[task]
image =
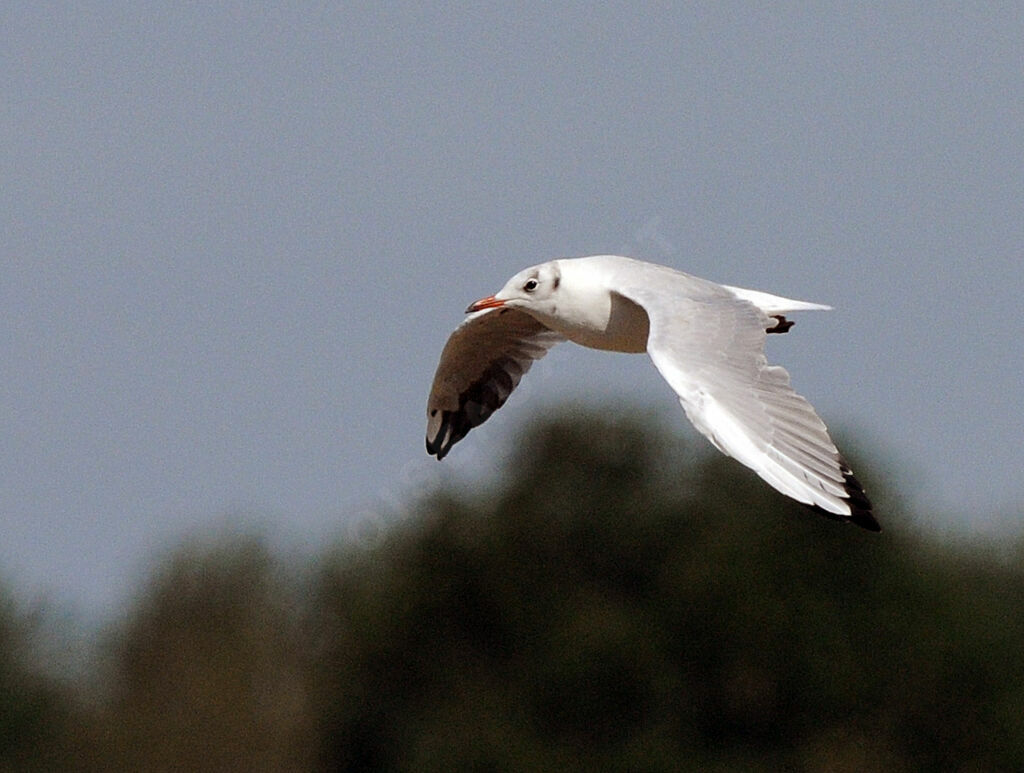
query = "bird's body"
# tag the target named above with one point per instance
(706, 339)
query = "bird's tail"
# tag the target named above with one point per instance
(775, 304)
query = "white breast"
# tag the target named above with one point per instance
(621, 326)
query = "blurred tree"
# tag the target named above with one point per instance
(37, 714)
(207, 671)
(623, 604)
(619, 603)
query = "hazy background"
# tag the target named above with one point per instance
(235, 238)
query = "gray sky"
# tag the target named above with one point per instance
(235, 239)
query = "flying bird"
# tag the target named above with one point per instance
(706, 340)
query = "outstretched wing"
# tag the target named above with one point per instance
(709, 345)
(481, 364)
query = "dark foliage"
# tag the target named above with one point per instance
(208, 672)
(37, 713)
(619, 604)
(622, 607)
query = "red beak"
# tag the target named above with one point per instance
(490, 302)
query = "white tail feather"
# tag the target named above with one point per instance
(775, 304)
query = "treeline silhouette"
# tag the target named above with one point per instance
(619, 603)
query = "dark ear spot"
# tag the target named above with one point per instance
(558, 281)
(434, 412)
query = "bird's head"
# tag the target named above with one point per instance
(534, 289)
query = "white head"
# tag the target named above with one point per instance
(571, 296)
(533, 289)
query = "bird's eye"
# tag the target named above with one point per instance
(530, 286)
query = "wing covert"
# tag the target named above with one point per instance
(481, 364)
(709, 345)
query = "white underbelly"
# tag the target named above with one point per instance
(625, 330)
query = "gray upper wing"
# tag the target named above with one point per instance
(481, 364)
(709, 345)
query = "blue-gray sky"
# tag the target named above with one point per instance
(235, 238)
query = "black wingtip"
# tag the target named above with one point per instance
(860, 505)
(437, 447)
(435, 450)
(866, 521)
(453, 428)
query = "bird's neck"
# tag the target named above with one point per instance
(591, 315)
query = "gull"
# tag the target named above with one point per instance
(706, 340)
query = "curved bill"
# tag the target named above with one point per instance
(490, 302)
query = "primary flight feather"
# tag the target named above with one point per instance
(706, 339)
